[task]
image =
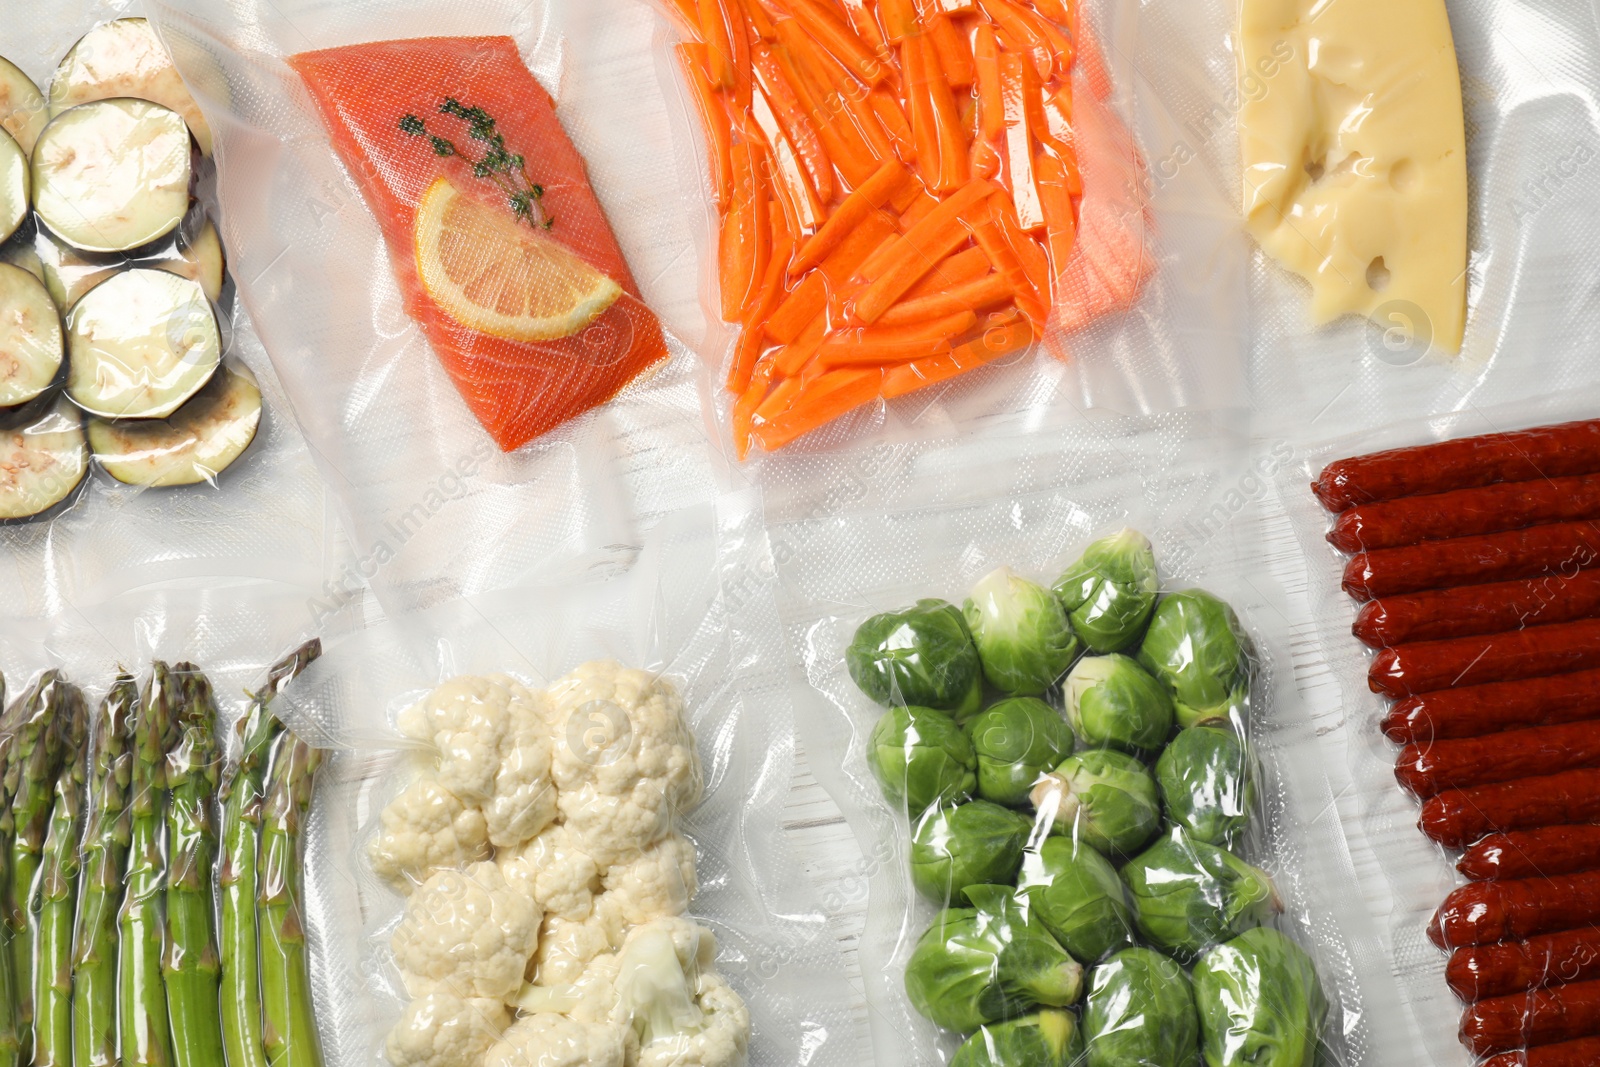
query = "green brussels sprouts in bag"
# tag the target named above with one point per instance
(1260, 1001)
(1078, 896)
(1022, 634)
(989, 962)
(1188, 895)
(1111, 700)
(1103, 797)
(1197, 649)
(1207, 783)
(1140, 1013)
(1047, 1039)
(1109, 593)
(1017, 741)
(956, 846)
(920, 756)
(923, 656)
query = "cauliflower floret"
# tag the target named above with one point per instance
(426, 827)
(625, 763)
(466, 720)
(442, 1030)
(524, 800)
(468, 931)
(682, 1011)
(554, 871)
(567, 946)
(658, 882)
(548, 1040)
(721, 1038)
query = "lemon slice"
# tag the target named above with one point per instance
(499, 276)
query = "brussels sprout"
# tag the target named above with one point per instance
(988, 962)
(1196, 648)
(955, 846)
(1140, 1013)
(1111, 700)
(922, 656)
(1207, 783)
(920, 756)
(1105, 798)
(1188, 894)
(1022, 634)
(1047, 1039)
(1110, 592)
(1260, 1001)
(1017, 740)
(1076, 893)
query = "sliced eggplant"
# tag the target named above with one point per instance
(42, 460)
(139, 344)
(23, 111)
(19, 252)
(14, 182)
(113, 175)
(70, 272)
(31, 342)
(196, 444)
(203, 260)
(125, 58)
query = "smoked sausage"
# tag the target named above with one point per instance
(1537, 651)
(1479, 971)
(1430, 767)
(1584, 1052)
(1480, 913)
(1471, 711)
(1478, 609)
(1541, 853)
(1541, 1017)
(1486, 509)
(1556, 548)
(1458, 817)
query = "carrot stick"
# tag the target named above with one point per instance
(1035, 105)
(823, 399)
(760, 21)
(719, 47)
(919, 107)
(796, 124)
(744, 408)
(752, 339)
(1054, 10)
(1012, 21)
(1060, 222)
(843, 142)
(986, 231)
(985, 160)
(991, 103)
(917, 206)
(965, 266)
(810, 297)
(893, 344)
(739, 35)
(841, 97)
(742, 249)
(838, 39)
(899, 19)
(1035, 262)
(862, 202)
(955, 55)
(894, 122)
(782, 395)
(713, 117)
(984, 292)
(865, 25)
(797, 353)
(918, 251)
(791, 185)
(1016, 82)
(954, 170)
(1004, 334)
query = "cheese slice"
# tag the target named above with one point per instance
(1354, 157)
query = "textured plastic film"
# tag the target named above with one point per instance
(669, 615)
(263, 517)
(1419, 873)
(434, 507)
(926, 521)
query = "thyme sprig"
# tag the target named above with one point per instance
(498, 164)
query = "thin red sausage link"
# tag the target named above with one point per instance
(1559, 648)
(1430, 767)
(1480, 913)
(1478, 609)
(1554, 549)
(1479, 971)
(1458, 817)
(1584, 1052)
(1472, 711)
(1520, 456)
(1464, 512)
(1541, 853)
(1540, 1017)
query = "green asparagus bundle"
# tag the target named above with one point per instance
(144, 1039)
(190, 966)
(105, 856)
(8, 990)
(238, 877)
(290, 1031)
(57, 891)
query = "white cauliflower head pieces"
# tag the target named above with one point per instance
(624, 764)
(469, 932)
(441, 1029)
(550, 1040)
(683, 1013)
(465, 721)
(523, 801)
(555, 872)
(424, 828)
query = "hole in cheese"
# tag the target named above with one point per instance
(1403, 176)
(1377, 275)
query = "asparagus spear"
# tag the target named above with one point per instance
(58, 880)
(237, 879)
(190, 965)
(290, 1029)
(105, 856)
(142, 1027)
(8, 991)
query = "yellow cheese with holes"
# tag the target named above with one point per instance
(1354, 157)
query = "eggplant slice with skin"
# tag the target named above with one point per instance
(199, 442)
(69, 273)
(140, 344)
(31, 341)
(23, 111)
(14, 186)
(114, 175)
(43, 458)
(124, 57)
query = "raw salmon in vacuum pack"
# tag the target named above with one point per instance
(503, 253)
